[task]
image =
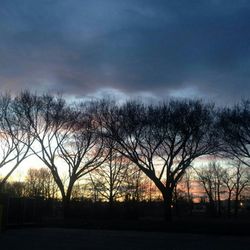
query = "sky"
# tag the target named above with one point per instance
(155, 49)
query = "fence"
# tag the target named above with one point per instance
(25, 211)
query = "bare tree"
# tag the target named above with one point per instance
(109, 177)
(62, 133)
(212, 177)
(218, 175)
(15, 143)
(82, 149)
(161, 140)
(184, 188)
(206, 177)
(40, 182)
(242, 179)
(135, 185)
(187, 181)
(229, 182)
(234, 124)
(14, 188)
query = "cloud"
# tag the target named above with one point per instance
(164, 48)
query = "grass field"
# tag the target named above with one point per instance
(59, 238)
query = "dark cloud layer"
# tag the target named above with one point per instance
(158, 48)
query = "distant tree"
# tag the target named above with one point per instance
(148, 191)
(211, 177)
(229, 182)
(77, 192)
(183, 189)
(187, 180)
(40, 182)
(134, 186)
(242, 180)
(218, 178)
(108, 179)
(14, 188)
(237, 179)
(162, 140)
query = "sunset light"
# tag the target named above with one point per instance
(124, 124)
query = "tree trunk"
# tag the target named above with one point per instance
(211, 207)
(168, 196)
(111, 200)
(176, 203)
(111, 206)
(66, 201)
(1, 187)
(236, 205)
(67, 198)
(219, 200)
(229, 205)
(66, 207)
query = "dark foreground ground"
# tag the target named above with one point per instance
(62, 238)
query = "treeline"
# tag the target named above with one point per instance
(129, 185)
(219, 190)
(104, 140)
